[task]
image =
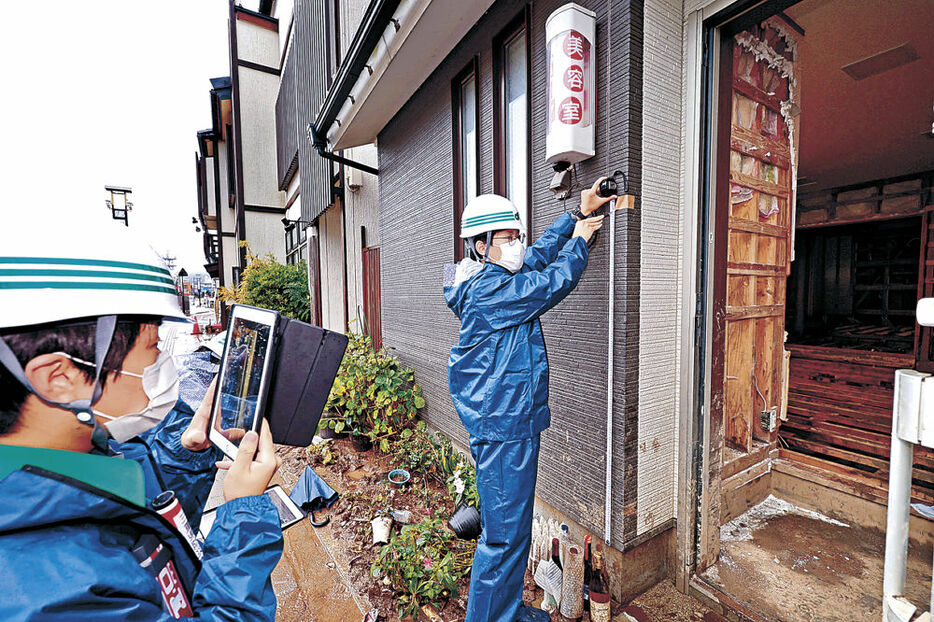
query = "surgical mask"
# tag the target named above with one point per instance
(160, 382)
(513, 255)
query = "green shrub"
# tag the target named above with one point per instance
(268, 284)
(423, 564)
(373, 394)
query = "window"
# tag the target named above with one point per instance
(332, 38)
(296, 241)
(511, 132)
(466, 121)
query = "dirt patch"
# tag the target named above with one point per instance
(829, 553)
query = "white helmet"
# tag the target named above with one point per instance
(489, 212)
(78, 270)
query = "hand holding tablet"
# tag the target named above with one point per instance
(254, 466)
(273, 369)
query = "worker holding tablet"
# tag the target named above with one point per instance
(78, 313)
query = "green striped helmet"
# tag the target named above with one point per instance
(80, 272)
(489, 212)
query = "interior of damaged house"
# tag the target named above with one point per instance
(824, 105)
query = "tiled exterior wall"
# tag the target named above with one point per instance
(660, 267)
(416, 235)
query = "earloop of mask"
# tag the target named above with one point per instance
(103, 336)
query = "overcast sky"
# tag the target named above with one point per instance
(109, 92)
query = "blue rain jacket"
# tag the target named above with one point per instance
(65, 543)
(498, 371)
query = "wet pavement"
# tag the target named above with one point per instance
(788, 564)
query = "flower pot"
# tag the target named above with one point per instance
(465, 523)
(326, 432)
(361, 442)
(381, 525)
(399, 477)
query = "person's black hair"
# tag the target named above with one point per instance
(76, 339)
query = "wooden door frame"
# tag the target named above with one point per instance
(700, 453)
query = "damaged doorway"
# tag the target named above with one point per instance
(823, 232)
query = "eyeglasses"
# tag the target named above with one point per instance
(508, 238)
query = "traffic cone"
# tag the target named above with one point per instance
(197, 329)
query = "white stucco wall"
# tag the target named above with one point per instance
(257, 44)
(361, 211)
(258, 92)
(659, 361)
(266, 235)
(231, 257)
(331, 254)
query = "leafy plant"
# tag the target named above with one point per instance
(462, 485)
(373, 394)
(268, 284)
(423, 564)
(321, 454)
(431, 454)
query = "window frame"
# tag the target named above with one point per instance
(471, 70)
(517, 25)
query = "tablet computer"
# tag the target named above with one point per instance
(289, 512)
(243, 383)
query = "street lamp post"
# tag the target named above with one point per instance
(119, 203)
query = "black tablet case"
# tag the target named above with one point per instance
(307, 359)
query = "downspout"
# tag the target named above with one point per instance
(607, 510)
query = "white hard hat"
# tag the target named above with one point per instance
(489, 212)
(78, 269)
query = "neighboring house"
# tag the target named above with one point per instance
(331, 207)
(216, 211)
(741, 126)
(254, 83)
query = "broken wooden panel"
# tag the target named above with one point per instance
(758, 242)
(840, 411)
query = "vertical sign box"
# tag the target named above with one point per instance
(570, 32)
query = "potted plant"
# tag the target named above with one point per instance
(462, 486)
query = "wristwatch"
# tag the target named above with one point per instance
(578, 214)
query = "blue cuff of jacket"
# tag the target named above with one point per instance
(203, 459)
(256, 505)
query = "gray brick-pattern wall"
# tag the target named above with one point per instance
(416, 230)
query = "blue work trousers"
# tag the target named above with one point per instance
(506, 472)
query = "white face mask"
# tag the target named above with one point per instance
(513, 255)
(160, 382)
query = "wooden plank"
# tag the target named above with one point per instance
(762, 228)
(769, 269)
(757, 184)
(864, 357)
(763, 145)
(755, 311)
(739, 407)
(853, 221)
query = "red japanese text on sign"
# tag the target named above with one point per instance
(574, 78)
(575, 45)
(570, 111)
